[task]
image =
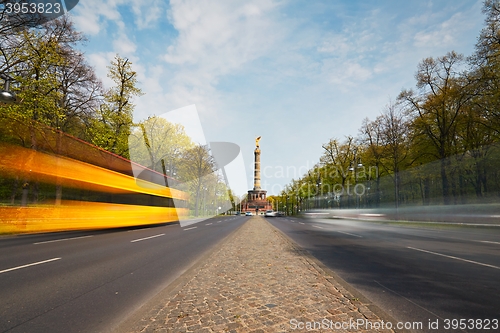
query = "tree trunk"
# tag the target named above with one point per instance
(196, 204)
(24, 198)
(426, 188)
(463, 192)
(14, 190)
(444, 181)
(58, 194)
(58, 186)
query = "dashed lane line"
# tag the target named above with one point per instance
(489, 242)
(141, 239)
(61, 240)
(456, 258)
(28, 265)
(347, 233)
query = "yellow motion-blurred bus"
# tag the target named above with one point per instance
(69, 184)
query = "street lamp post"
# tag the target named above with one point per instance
(318, 195)
(356, 164)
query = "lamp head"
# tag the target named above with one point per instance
(7, 97)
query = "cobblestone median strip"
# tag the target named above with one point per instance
(258, 281)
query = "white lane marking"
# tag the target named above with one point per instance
(452, 257)
(28, 265)
(301, 222)
(209, 224)
(315, 226)
(346, 233)
(63, 239)
(141, 239)
(142, 229)
(489, 242)
(190, 228)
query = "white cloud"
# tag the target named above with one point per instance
(443, 34)
(218, 36)
(439, 31)
(100, 61)
(87, 22)
(215, 38)
(91, 16)
(337, 44)
(147, 12)
(345, 74)
(123, 45)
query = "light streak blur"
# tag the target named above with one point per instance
(36, 166)
(67, 172)
(81, 215)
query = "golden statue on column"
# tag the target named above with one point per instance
(257, 142)
(256, 201)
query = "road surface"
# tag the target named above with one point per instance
(91, 281)
(415, 275)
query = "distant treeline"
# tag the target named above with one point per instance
(438, 143)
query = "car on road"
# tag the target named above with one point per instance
(248, 214)
(270, 213)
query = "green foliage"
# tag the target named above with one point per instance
(197, 170)
(112, 124)
(158, 144)
(37, 81)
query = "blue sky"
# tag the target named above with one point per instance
(295, 72)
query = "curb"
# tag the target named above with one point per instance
(139, 320)
(366, 306)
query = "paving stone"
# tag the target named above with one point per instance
(258, 281)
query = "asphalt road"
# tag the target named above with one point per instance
(91, 281)
(415, 275)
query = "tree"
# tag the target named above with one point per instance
(395, 130)
(195, 165)
(113, 122)
(371, 137)
(485, 71)
(339, 159)
(80, 89)
(36, 72)
(158, 144)
(11, 28)
(57, 89)
(443, 94)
